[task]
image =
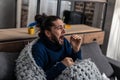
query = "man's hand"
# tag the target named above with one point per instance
(76, 42)
(67, 61)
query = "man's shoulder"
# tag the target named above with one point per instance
(38, 44)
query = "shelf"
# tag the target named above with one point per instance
(100, 1)
(59, 3)
(14, 40)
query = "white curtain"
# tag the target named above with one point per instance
(43, 6)
(32, 10)
(65, 5)
(113, 50)
(49, 7)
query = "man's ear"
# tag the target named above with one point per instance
(48, 33)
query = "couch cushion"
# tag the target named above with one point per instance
(93, 51)
(7, 65)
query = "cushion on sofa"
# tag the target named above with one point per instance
(93, 51)
(7, 65)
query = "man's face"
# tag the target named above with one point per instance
(57, 32)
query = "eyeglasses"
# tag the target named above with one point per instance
(60, 27)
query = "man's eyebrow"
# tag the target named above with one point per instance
(59, 25)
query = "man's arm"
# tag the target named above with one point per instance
(76, 55)
(70, 51)
(42, 59)
(76, 42)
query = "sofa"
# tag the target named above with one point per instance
(91, 50)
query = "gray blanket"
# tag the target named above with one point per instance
(27, 69)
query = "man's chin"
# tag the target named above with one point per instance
(61, 42)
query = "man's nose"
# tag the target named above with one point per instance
(63, 30)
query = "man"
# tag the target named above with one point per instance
(52, 52)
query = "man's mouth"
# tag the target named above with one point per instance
(61, 38)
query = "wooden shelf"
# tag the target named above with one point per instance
(88, 34)
(14, 40)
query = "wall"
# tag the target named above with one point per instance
(113, 50)
(7, 13)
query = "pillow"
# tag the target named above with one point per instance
(93, 51)
(81, 70)
(7, 65)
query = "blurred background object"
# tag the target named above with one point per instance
(7, 13)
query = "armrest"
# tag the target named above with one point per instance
(116, 66)
(93, 51)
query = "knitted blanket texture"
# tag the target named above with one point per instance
(27, 69)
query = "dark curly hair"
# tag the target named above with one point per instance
(45, 22)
